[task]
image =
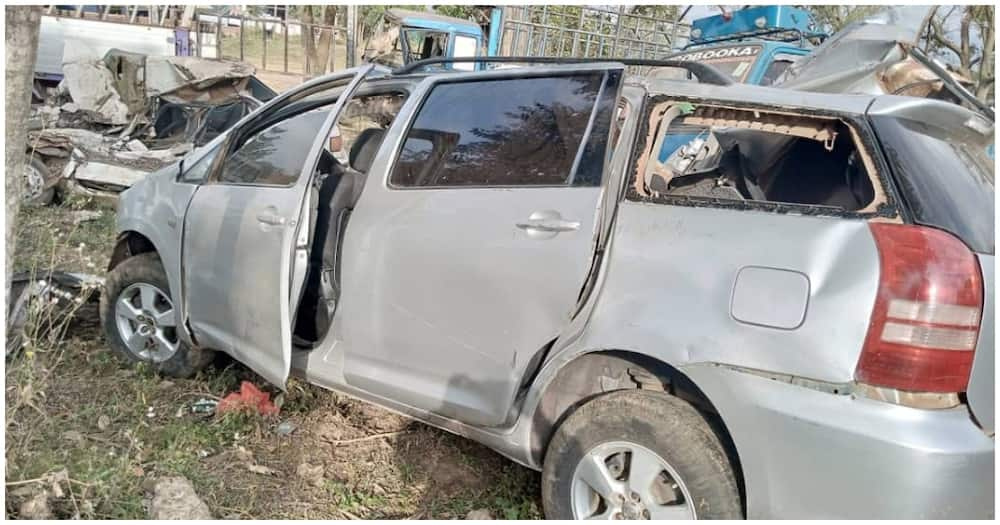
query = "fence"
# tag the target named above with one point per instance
(577, 31)
(277, 45)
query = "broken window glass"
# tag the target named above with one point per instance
(723, 153)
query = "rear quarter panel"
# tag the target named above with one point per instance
(672, 273)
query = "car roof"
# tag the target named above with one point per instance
(759, 95)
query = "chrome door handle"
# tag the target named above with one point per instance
(273, 220)
(549, 225)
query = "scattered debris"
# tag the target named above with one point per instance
(124, 115)
(174, 498)
(103, 422)
(91, 84)
(285, 428)
(63, 289)
(150, 412)
(101, 175)
(250, 399)
(204, 406)
(479, 514)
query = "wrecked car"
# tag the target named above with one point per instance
(791, 316)
(122, 116)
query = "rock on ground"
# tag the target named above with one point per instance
(174, 499)
(479, 514)
(36, 508)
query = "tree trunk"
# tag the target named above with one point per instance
(308, 40)
(325, 40)
(22, 47)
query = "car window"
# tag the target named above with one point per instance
(465, 46)
(425, 44)
(198, 171)
(777, 66)
(711, 155)
(511, 132)
(276, 155)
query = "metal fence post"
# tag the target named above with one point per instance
(243, 22)
(218, 37)
(284, 29)
(263, 57)
(352, 26)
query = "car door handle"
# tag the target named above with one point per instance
(549, 225)
(273, 220)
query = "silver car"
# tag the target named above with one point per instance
(677, 299)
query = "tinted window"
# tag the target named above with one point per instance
(945, 182)
(199, 170)
(499, 133)
(276, 155)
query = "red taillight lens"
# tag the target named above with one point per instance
(925, 324)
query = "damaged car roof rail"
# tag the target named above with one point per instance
(705, 73)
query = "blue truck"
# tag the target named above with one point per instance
(753, 45)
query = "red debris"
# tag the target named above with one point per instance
(248, 399)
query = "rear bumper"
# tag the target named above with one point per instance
(811, 454)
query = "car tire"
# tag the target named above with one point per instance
(163, 349)
(36, 175)
(692, 471)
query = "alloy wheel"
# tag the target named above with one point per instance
(144, 315)
(622, 480)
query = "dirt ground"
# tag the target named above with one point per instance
(71, 404)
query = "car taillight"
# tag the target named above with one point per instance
(925, 324)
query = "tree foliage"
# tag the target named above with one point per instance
(969, 48)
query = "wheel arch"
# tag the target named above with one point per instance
(593, 373)
(130, 243)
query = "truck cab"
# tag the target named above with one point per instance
(408, 36)
(753, 45)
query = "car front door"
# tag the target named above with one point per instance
(244, 226)
(467, 252)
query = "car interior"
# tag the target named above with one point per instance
(337, 185)
(722, 153)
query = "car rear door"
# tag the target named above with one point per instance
(467, 252)
(242, 229)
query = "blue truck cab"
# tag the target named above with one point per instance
(408, 36)
(753, 45)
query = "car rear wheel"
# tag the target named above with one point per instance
(139, 319)
(636, 454)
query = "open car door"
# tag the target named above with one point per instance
(245, 224)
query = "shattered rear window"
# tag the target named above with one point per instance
(706, 154)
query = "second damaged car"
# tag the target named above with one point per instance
(791, 315)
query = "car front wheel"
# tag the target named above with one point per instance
(636, 454)
(139, 319)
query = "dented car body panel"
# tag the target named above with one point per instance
(467, 306)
